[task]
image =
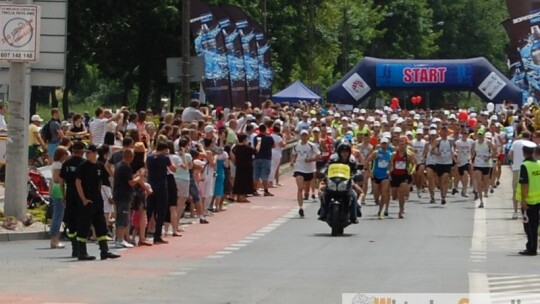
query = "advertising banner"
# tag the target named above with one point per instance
(266, 74)
(209, 44)
(517, 71)
(524, 34)
(518, 8)
(235, 57)
(249, 46)
(422, 75)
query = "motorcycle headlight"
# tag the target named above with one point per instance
(332, 186)
(342, 186)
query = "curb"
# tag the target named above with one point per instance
(23, 236)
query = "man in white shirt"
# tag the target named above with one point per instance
(97, 127)
(516, 155)
(192, 113)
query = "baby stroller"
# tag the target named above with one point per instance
(38, 189)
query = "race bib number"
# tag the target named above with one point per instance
(401, 165)
(382, 164)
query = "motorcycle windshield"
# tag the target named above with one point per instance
(339, 171)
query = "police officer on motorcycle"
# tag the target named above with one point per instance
(344, 155)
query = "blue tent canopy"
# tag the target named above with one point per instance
(294, 93)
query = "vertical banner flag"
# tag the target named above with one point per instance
(525, 31)
(209, 44)
(266, 74)
(517, 72)
(249, 45)
(235, 57)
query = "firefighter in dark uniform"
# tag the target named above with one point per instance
(90, 209)
(528, 193)
(67, 173)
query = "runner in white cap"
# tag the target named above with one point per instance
(482, 153)
(419, 146)
(464, 151)
(444, 150)
(431, 164)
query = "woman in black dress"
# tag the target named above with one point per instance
(243, 160)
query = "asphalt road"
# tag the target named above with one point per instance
(264, 253)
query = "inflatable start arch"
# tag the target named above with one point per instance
(372, 74)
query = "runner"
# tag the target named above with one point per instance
(399, 173)
(379, 161)
(431, 164)
(364, 149)
(304, 158)
(444, 151)
(482, 152)
(418, 146)
(464, 151)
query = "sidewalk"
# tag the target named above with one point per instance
(40, 232)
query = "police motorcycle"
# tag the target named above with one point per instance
(337, 196)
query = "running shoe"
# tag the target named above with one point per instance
(481, 204)
(432, 200)
(475, 195)
(301, 212)
(379, 216)
(454, 191)
(313, 196)
(385, 212)
(443, 201)
(419, 193)
(515, 216)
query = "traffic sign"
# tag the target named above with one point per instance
(174, 69)
(19, 33)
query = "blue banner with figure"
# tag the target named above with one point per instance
(390, 75)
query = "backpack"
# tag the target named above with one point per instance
(45, 132)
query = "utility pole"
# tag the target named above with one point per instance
(17, 145)
(186, 43)
(265, 15)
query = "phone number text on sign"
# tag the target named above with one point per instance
(19, 33)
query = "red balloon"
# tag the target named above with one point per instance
(413, 99)
(463, 116)
(419, 99)
(395, 100)
(472, 122)
(394, 106)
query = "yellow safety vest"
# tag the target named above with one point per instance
(533, 172)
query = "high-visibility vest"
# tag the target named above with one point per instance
(533, 173)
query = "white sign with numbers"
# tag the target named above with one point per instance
(19, 33)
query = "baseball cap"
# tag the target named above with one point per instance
(452, 117)
(363, 111)
(489, 135)
(356, 110)
(208, 129)
(304, 132)
(420, 131)
(36, 117)
(416, 117)
(529, 144)
(494, 117)
(91, 148)
(361, 118)
(344, 119)
(400, 121)
(433, 132)
(408, 133)
(370, 119)
(433, 126)
(397, 130)
(377, 124)
(385, 140)
(481, 132)
(316, 129)
(337, 115)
